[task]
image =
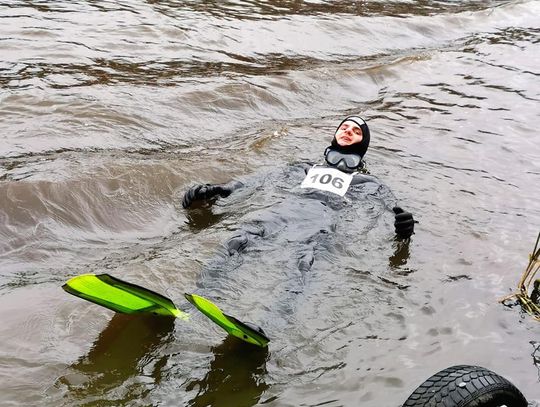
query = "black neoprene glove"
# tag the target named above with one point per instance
(204, 191)
(404, 223)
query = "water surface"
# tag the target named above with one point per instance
(110, 110)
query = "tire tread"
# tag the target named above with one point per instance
(445, 389)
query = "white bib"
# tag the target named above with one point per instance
(327, 179)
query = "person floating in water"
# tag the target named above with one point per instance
(340, 175)
(297, 224)
(299, 229)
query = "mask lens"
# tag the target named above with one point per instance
(333, 157)
(351, 160)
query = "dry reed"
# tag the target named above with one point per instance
(529, 302)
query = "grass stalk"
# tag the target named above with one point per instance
(529, 277)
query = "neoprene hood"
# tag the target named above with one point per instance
(358, 148)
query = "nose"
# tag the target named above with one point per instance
(349, 131)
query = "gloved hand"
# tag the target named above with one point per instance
(404, 223)
(203, 192)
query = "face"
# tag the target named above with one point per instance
(348, 133)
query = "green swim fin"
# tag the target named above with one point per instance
(121, 296)
(127, 298)
(233, 326)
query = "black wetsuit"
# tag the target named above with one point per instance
(285, 230)
(299, 215)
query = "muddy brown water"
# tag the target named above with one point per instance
(109, 110)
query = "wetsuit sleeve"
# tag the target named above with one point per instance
(404, 221)
(381, 190)
(303, 166)
(242, 189)
(387, 196)
(247, 185)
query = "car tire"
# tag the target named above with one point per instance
(466, 386)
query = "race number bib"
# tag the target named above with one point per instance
(327, 179)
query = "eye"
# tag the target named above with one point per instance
(357, 131)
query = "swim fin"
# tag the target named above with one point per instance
(242, 330)
(121, 296)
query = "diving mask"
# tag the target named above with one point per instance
(343, 161)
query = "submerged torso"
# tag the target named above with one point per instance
(278, 222)
(295, 243)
